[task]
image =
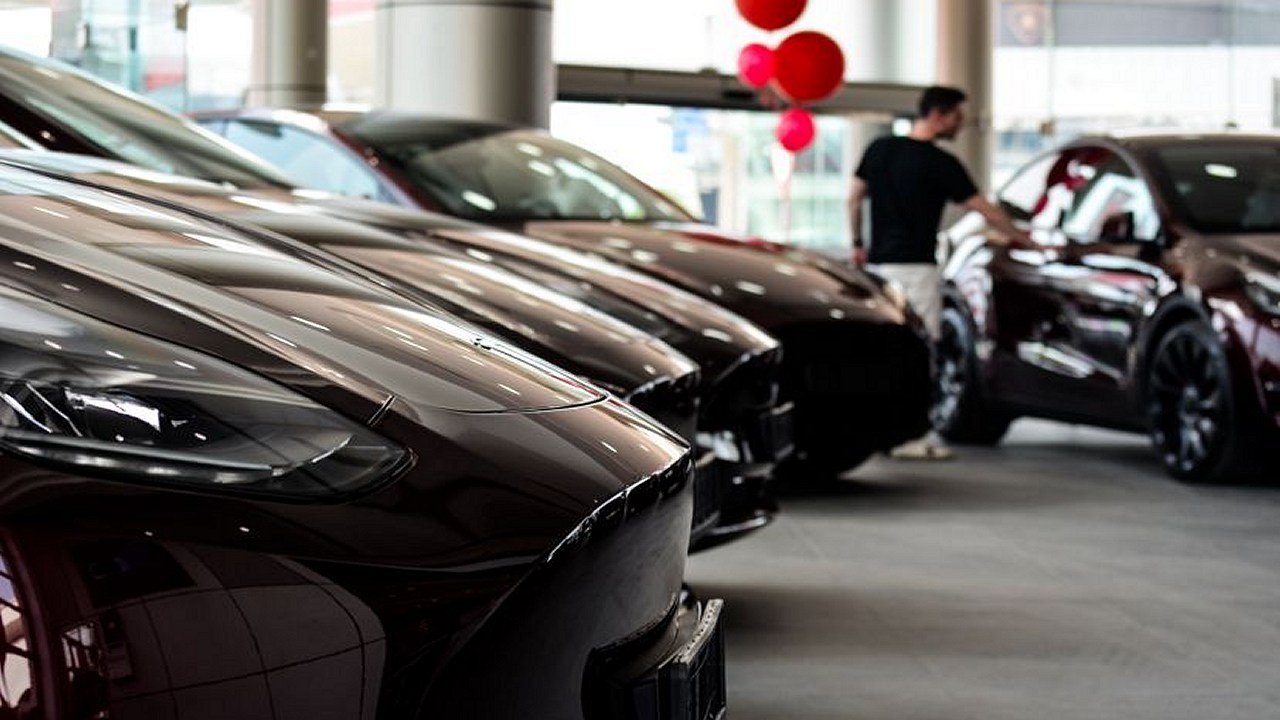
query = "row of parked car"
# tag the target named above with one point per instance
(379, 415)
(422, 422)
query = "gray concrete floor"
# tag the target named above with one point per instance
(1059, 576)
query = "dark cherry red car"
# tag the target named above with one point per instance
(1151, 301)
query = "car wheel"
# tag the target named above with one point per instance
(1195, 423)
(959, 412)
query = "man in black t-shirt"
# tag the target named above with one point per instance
(910, 180)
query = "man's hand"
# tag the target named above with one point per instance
(859, 256)
(1014, 236)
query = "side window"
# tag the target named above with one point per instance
(1079, 190)
(1111, 190)
(308, 159)
(1021, 197)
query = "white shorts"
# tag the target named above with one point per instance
(922, 284)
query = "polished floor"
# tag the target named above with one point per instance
(1059, 576)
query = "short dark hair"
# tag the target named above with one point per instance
(941, 98)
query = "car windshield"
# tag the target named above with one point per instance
(485, 173)
(1226, 187)
(125, 126)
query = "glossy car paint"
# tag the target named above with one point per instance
(1064, 330)
(637, 366)
(532, 501)
(736, 356)
(855, 361)
(594, 345)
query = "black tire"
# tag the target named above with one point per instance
(960, 413)
(1198, 423)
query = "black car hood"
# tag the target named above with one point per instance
(391, 346)
(771, 284)
(715, 338)
(718, 339)
(586, 341)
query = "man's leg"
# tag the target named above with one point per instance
(922, 284)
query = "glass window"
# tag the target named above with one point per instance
(1111, 190)
(1064, 68)
(310, 160)
(1078, 190)
(1225, 187)
(725, 166)
(1021, 196)
(125, 126)
(487, 173)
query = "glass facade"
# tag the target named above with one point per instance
(1062, 68)
(726, 167)
(1068, 67)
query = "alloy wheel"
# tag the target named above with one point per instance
(1188, 402)
(950, 374)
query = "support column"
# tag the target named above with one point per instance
(966, 45)
(877, 35)
(473, 59)
(290, 53)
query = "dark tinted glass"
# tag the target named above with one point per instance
(1078, 190)
(515, 175)
(125, 126)
(1225, 187)
(308, 159)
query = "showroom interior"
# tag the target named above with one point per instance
(620, 360)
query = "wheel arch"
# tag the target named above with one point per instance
(1170, 314)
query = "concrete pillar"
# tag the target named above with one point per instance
(966, 45)
(290, 53)
(473, 59)
(878, 38)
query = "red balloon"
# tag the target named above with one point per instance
(755, 65)
(796, 129)
(771, 14)
(808, 66)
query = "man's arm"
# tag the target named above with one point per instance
(857, 194)
(998, 219)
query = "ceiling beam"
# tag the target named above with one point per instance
(582, 83)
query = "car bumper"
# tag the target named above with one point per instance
(857, 388)
(674, 672)
(735, 476)
(748, 505)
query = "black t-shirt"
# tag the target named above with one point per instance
(910, 182)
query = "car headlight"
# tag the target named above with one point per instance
(1264, 291)
(84, 395)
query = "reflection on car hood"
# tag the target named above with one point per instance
(715, 338)
(584, 340)
(314, 317)
(768, 283)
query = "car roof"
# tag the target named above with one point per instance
(1148, 137)
(348, 116)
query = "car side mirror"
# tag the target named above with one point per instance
(1118, 228)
